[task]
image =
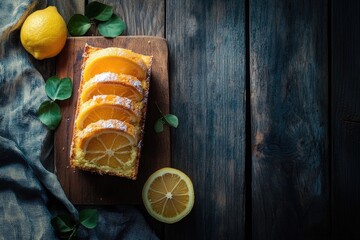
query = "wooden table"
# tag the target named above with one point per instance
(266, 92)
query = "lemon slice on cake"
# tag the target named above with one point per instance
(116, 60)
(109, 145)
(104, 107)
(109, 83)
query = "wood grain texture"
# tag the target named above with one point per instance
(207, 62)
(84, 187)
(289, 110)
(69, 7)
(141, 17)
(345, 115)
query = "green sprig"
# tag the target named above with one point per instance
(168, 119)
(49, 112)
(109, 24)
(67, 228)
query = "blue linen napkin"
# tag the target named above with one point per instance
(30, 194)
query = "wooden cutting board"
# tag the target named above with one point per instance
(88, 188)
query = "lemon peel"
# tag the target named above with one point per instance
(168, 195)
(44, 33)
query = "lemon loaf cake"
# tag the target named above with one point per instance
(110, 112)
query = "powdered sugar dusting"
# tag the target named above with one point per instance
(112, 124)
(123, 101)
(137, 84)
(105, 76)
(105, 124)
(100, 98)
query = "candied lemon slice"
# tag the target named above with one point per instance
(109, 83)
(108, 145)
(117, 60)
(108, 107)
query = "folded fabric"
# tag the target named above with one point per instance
(26, 187)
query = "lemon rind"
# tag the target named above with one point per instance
(147, 203)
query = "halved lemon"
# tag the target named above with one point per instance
(107, 145)
(108, 107)
(109, 83)
(117, 60)
(168, 195)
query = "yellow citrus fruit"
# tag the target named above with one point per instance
(168, 195)
(43, 33)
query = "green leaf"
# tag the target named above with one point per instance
(112, 28)
(172, 120)
(99, 11)
(49, 114)
(159, 125)
(63, 224)
(58, 89)
(89, 218)
(78, 25)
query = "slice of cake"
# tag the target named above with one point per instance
(111, 110)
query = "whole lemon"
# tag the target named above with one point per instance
(43, 33)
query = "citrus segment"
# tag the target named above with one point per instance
(117, 60)
(109, 149)
(168, 195)
(108, 107)
(108, 145)
(109, 83)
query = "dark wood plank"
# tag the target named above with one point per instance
(289, 110)
(69, 7)
(345, 89)
(207, 62)
(84, 187)
(141, 17)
